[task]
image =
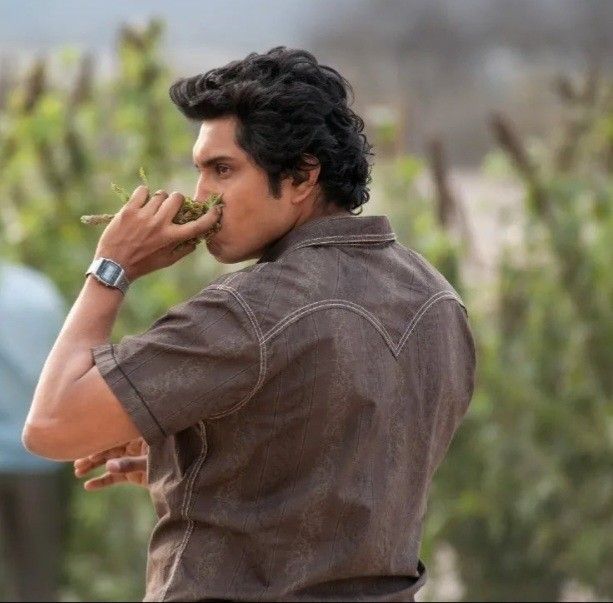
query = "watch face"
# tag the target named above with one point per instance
(109, 272)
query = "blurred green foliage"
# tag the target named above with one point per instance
(525, 493)
(61, 147)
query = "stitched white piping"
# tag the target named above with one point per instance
(187, 498)
(422, 310)
(340, 303)
(349, 239)
(262, 345)
(262, 339)
(324, 304)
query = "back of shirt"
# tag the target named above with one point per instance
(32, 313)
(296, 411)
(371, 364)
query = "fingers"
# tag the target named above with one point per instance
(172, 204)
(156, 200)
(139, 197)
(108, 479)
(116, 472)
(127, 464)
(197, 228)
(137, 447)
(86, 464)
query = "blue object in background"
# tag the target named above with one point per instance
(32, 312)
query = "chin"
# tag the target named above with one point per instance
(223, 256)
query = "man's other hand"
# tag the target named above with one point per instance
(127, 463)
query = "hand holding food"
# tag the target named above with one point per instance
(190, 209)
(153, 232)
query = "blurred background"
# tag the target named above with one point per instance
(492, 122)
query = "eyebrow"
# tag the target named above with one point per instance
(214, 160)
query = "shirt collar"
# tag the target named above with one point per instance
(332, 230)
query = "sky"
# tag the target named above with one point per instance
(198, 35)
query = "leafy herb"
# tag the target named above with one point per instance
(189, 211)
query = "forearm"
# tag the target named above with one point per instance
(89, 323)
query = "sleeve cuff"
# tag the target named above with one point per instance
(127, 394)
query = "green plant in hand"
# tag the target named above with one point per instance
(190, 210)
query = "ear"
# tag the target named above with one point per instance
(309, 175)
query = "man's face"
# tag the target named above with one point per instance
(252, 217)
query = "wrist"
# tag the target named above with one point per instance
(109, 273)
(114, 253)
(93, 284)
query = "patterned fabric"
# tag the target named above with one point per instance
(296, 411)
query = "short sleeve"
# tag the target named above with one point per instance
(199, 361)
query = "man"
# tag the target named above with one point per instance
(32, 311)
(293, 412)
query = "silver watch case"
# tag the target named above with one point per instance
(109, 273)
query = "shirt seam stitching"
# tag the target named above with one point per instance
(262, 339)
(262, 351)
(338, 303)
(422, 310)
(366, 238)
(140, 397)
(187, 500)
(197, 466)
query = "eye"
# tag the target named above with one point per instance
(222, 166)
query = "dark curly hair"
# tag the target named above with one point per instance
(289, 109)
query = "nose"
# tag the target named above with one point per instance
(203, 190)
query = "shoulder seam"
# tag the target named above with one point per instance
(441, 295)
(262, 349)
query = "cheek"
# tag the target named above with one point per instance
(233, 221)
(242, 230)
(250, 215)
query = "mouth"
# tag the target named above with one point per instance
(214, 230)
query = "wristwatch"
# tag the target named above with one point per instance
(109, 273)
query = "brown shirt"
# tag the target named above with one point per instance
(296, 411)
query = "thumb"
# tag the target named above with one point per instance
(205, 224)
(127, 464)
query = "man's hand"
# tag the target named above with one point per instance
(127, 463)
(142, 236)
